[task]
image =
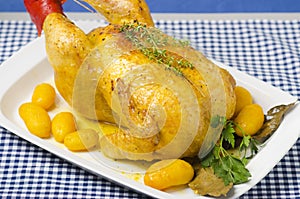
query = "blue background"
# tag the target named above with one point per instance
(186, 6)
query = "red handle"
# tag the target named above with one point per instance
(39, 9)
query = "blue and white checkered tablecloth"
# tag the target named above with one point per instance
(266, 49)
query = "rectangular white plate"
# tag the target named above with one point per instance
(29, 67)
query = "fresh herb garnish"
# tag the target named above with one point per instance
(221, 161)
(150, 41)
(231, 168)
(228, 133)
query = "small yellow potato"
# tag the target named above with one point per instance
(63, 123)
(168, 173)
(81, 140)
(44, 95)
(250, 120)
(243, 98)
(36, 119)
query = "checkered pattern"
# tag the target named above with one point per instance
(269, 50)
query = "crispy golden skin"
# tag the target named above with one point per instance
(72, 53)
(120, 12)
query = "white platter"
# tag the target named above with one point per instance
(29, 67)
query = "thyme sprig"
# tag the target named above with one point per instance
(151, 42)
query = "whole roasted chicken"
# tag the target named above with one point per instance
(154, 96)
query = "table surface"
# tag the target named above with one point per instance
(265, 48)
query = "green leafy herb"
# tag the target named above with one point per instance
(228, 133)
(150, 42)
(232, 169)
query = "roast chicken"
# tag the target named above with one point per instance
(154, 100)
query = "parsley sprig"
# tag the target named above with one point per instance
(229, 167)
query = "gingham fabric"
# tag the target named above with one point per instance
(266, 49)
